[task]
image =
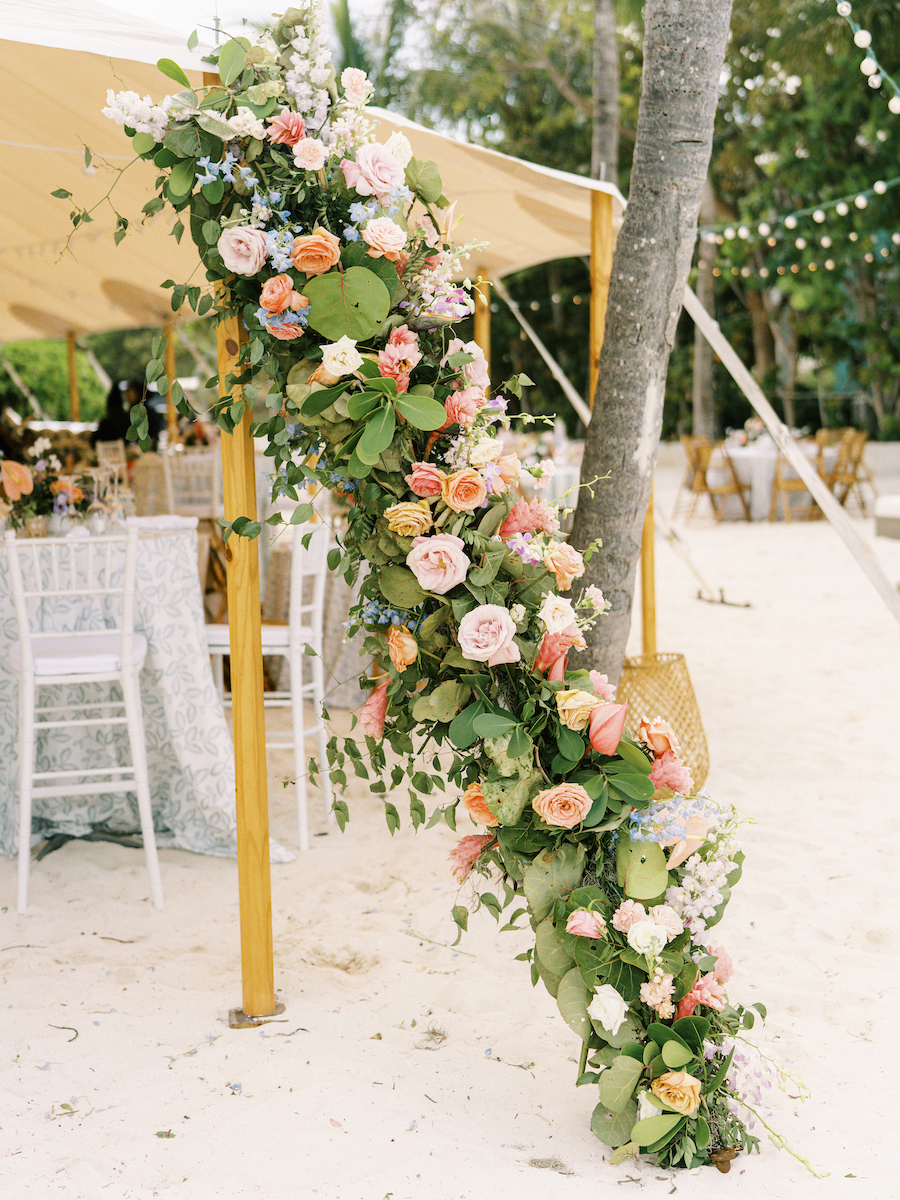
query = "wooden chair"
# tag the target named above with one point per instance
(690, 443)
(785, 482)
(721, 467)
(846, 475)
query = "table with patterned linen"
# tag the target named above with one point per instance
(755, 464)
(189, 749)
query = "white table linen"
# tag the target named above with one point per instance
(755, 464)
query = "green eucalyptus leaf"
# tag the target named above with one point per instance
(378, 434)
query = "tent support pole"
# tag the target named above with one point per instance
(602, 244)
(74, 401)
(169, 360)
(648, 582)
(482, 314)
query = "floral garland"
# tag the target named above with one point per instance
(336, 252)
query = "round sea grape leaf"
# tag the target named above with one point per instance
(143, 143)
(572, 999)
(181, 181)
(351, 303)
(641, 869)
(617, 1083)
(399, 586)
(675, 1056)
(421, 411)
(233, 59)
(653, 1129)
(550, 950)
(612, 1128)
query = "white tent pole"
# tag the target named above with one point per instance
(555, 369)
(842, 524)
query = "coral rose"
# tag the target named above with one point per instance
(425, 479)
(16, 479)
(285, 333)
(476, 806)
(243, 249)
(463, 490)
(486, 635)
(670, 772)
(585, 923)
(679, 1090)
(278, 295)
(393, 363)
(384, 238)
(439, 563)
(374, 711)
(565, 562)
(409, 518)
(563, 806)
(575, 707)
(607, 723)
(659, 736)
(465, 854)
(287, 128)
(316, 252)
(375, 171)
(310, 154)
(402, 647)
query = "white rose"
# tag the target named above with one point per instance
(245, 123)
(484, 451)
(341, 358)
(556, 613)
(608, 1008)
(399, 146)
(243, 249)
(665, 915)
(647, 937)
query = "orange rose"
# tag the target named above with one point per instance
(564, 806)
(463, 490)
(565, 562)
(316, 252)
(16, 480)
(476, 806)
(278, 294)
(402, 647)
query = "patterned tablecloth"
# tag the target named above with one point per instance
(189, 748)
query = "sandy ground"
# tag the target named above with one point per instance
(410, 1070)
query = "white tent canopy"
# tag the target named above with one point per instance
(57, 87)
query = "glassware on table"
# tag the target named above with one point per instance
(98, 510)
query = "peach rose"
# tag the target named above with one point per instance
(510, 468)
(425, 479)
(278, 294)
(476, 806)
(402, 647)
(575, 707)
(375, 171)
(243, 249)
(285, 333)
(659, 736)
(316, 252)
(384, 237)
(463, 490)
(679, 1090)
(585, 923)
(439, 563)
(486, 635)
(374, 711)
(565, 562)
(287, 128)
(310, 154)
(16, 479)
(563, 806)
(607, 723)
(409, 518)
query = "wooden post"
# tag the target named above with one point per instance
(171, 411)
(483, 314)
(601, 269)
(74, 401)
(648, 581)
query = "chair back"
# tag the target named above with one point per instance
(845, 450)
(829, 437)
(693, 444)
(857, 448)
(111, 454)
(194, 483)
(309, 569)
(72, 586)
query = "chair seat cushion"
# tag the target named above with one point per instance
(97, 654)
(274, 637)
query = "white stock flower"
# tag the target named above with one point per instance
(556, 613)
(647, 937)
(517, 612)
(341, 358)
(608, 1008)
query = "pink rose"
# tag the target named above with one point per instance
(627, 914)
(475, 372)
(601, 687)
(438, 563)
(465, 854)
(724, 968)
(243, 249)
(563, 806)
(462, 407)
(607, 723)
(510, 468)
(384, 237)
(659, 736)
(584, 923)
(486, 635)
(374, 711)
(565, 562)
(551, 656)
(310, 154)
(375, 171)
(425, 480)
(670, 772)
(705, 991)
(287, 128)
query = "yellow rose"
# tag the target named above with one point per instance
(575, 707)
(409, 518)
(679, 1090)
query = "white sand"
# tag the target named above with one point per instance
(800, 703)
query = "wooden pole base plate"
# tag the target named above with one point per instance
(238, 1019)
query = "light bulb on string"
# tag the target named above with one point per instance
(894, 104)
(842, 208)
(861, 202)
(800, 243)
(790, 222)
(743, 231)
(826, 241)
(868, 66)
(829, 264)
(764, 272)
(818, 216)
(869, 257)
(844, 9)
(764, 229)
(895, 238)
(745, 271)
(863, 39)
(729, 233)
(853, 235)
(879, 186)
(874, 81)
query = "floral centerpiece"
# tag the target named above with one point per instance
(336, 252)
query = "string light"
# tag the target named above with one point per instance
(870, 66)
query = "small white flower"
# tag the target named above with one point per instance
(517, 612)
(608, 1008)
(646, 1107)
(398, 145)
